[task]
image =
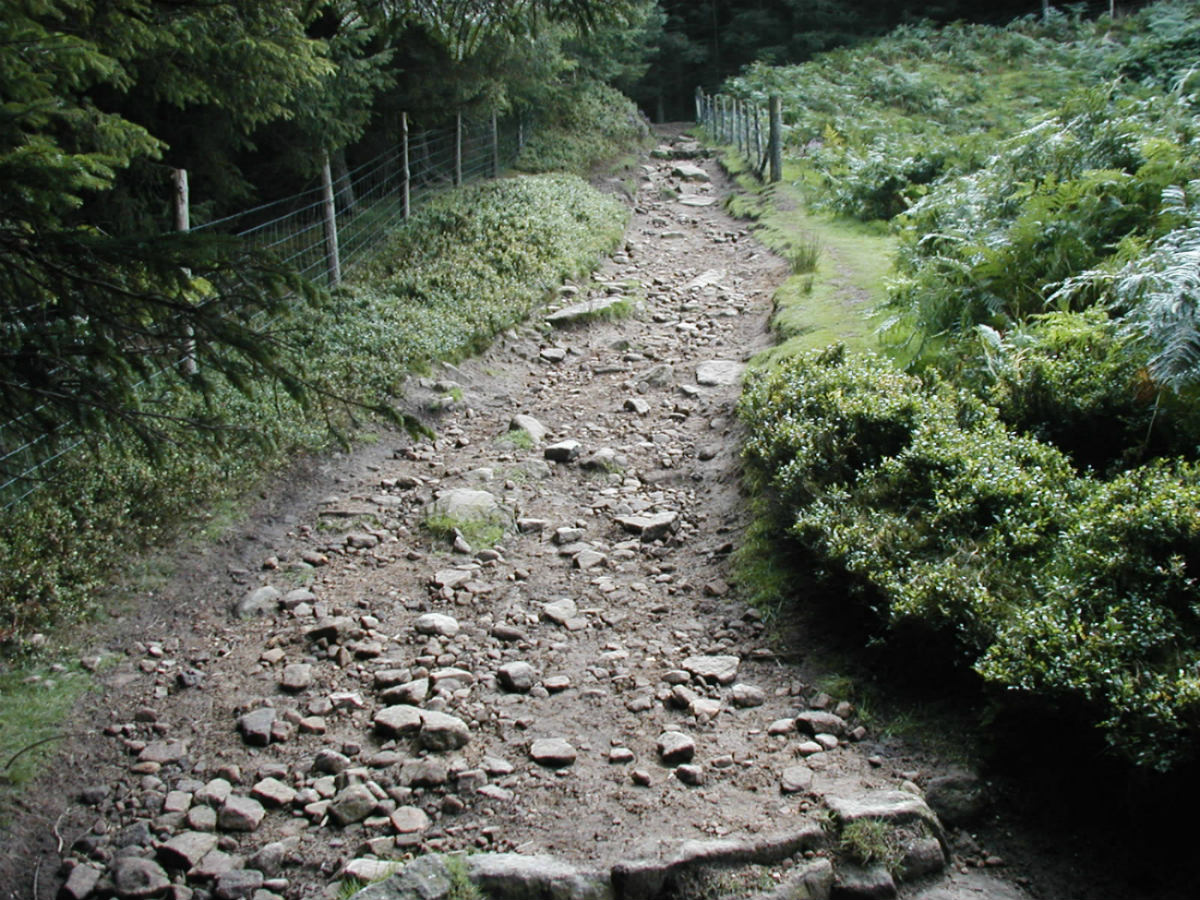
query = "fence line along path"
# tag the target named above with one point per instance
(322, 232)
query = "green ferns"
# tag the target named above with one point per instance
(1050, 581)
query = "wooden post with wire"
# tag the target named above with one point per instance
(407, 171)
(183, 222)
(775, 138)
(458, 142)
(329, 206)
(495, 147)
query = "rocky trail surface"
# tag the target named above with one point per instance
(518, 639)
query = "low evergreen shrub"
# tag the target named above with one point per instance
(1051, 582)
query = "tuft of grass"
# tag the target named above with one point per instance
(461, 885)
(477, 533)
(518, 438)
(804, 254)
(872, 841)
(34, 701)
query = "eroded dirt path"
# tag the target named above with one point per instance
(248, 757)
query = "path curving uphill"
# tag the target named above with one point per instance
(519, 639)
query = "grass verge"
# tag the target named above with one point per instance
(839, 265)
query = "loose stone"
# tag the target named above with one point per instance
(649, 528)
(261, 601)
(563, 451)
(296, 677)
(134, 878)
(237, 883)
(554, 753)
(409, 820)
(745, 696)
(817, 721)
(273, 792)
(531, 426)
(186, 849)
(255, 726)
(796, 779)
(675, 747)
(441, 731)
(437, 623)
(690, 774)
(713, 669)
(240, 814)
(517, 677)
(560, 611)
(353, 804)
(394, 721)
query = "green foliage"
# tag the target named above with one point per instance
(1050, 582)
(461, 885)
(583, 125)
(1060, 199)
(33, 705)
(1076, 381)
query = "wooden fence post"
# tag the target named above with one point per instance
(757, 141)
(775, 138)
(746, 127)
(331, 236)
(458, 142)
(182, 201)
(183, 222)
(495, 147)
(407, 169)
(699, 106)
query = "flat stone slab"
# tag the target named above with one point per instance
(467, 505)
(516, 875)
(697, 201)
(582, 312)
(649, 528)
(891, 806)
(704, 279)
(719, 372)
(718, 669)
(554, 753)
(689, 172)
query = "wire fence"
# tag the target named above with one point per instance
(322, 232)
(375, 196)
(756, 131)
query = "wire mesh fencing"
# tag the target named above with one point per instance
(322, 233)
